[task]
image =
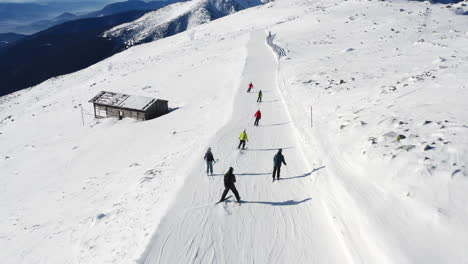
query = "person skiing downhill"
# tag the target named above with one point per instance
(209, 161)
(278, 159)
(243, 137)
(229, 180)
(258, 116)
(260, 95)
(250, 87)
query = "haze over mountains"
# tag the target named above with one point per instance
(15, 17)
(44, 16)
(59, 50)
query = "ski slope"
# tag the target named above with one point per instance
(273, 216)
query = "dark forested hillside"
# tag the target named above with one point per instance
(59, 50)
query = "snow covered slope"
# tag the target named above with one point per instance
(94, 193)
(176, 18)
(387, 84)
(361, 185)
(272, 215)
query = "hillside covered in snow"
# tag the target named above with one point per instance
(367, 99)
(176, 18)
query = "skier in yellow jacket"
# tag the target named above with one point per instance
(243, 137)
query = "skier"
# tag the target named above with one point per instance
(258, 116)
(229, 180)
(243, 137)
(260, 95)
(209, 161)
(250, 87)
(277, 160)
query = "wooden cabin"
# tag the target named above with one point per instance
(110, 104)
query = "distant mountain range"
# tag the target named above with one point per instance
(62, 49)
(441, 1)
(121, 7)
(13, 15)
(21, 12)
(444, 1)
(45, 24)
(176, 18)
(77, 44)
(7, 39)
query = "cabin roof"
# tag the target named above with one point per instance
(125, 101)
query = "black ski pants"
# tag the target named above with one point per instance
(209, 167)
(277, 171)
(259, 99)
(231, 187)
(242, 142)
(256, 121)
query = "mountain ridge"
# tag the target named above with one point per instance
(175, 19)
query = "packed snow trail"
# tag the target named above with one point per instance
(278, 222)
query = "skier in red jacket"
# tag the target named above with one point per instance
(257, 116)
(250, 87)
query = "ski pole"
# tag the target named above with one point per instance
(251, 119)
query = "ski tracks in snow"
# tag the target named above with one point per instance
(278, 222)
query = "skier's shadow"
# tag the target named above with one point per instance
(285, 203)
(253, 174)
(277, 124)
(269, 173)
(270, 101)
(303, 175)
(245, 174)
(269, 149)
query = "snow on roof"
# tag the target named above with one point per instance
(123, 100)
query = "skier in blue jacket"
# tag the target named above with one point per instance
(278, 159)
(209, 161)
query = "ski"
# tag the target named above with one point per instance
(224, 199)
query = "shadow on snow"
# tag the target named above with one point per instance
(268, 149)
(269, 101)
(304, 175)
(285, 203)
(269, 173)
(247, 173)
(243, 174)
(277, 124)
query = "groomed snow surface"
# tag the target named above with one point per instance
(378, 177)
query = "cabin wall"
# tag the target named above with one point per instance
(157, 109)
(162, 108)
(150, 112)
(100, 111)
(106, 111)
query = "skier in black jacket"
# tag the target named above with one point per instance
(209, 161)
(229, 180)
(278, 159)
